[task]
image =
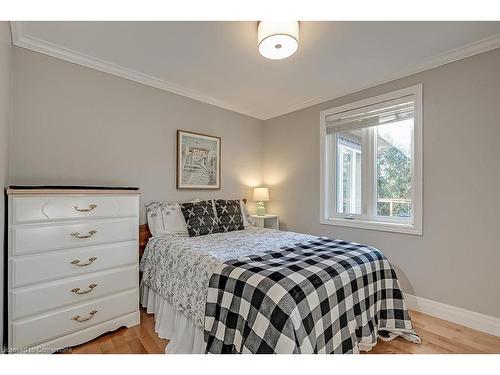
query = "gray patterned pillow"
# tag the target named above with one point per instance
(229, 214)
(200, 218)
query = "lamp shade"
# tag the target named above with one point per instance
(278, 40)
(260, 194)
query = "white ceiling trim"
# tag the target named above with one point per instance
(483, 45)
(48, 48)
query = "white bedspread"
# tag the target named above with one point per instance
(179, 267)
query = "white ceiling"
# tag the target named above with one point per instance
(218, 62)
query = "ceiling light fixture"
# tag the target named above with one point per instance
(278, 40)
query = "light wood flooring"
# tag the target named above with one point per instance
(438, 336)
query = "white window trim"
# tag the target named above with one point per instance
(340, 198)
(417, 166)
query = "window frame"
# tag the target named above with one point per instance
(339, 197)
(328, 170)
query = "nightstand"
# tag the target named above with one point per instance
(268, 221)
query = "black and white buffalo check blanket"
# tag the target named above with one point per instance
(323, 296)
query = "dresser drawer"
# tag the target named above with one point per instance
(59, 264)
(29, 209)
(46, 327)
(37, 238)
(49, 296)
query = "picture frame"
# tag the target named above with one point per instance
(198, 161)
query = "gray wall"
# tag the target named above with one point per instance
(457, 259)
(5, 100)
(74, 125)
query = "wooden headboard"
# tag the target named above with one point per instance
(145, 235)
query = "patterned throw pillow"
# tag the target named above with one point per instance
(200, 218)
(229, 213)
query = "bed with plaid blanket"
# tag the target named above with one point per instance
(320, 296)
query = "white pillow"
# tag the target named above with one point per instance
(173, 220)
(166, 218)
(155, 217)
(247, 220)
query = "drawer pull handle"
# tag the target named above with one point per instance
(76, 262)
(80, 237)
(91, 207)
(79, 319)
(78, 291)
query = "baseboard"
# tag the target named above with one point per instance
(467, 318)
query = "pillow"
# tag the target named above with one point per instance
(200, 218)
(155, 217)
(229, 214)
(166, 218)
(247, 220)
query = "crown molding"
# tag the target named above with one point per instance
(483, 45)
(20, 39)
(38, 45)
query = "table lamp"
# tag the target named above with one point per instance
(261, 195)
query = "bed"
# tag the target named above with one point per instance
(268, 291)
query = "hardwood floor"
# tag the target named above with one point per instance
(438, 336)
(140, 339)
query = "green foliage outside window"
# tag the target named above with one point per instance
(394, 181)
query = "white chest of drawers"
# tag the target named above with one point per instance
(73, 270)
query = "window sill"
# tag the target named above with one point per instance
(375, 225)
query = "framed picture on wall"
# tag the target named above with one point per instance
(198, 161)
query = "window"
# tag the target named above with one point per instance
(371, 163)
